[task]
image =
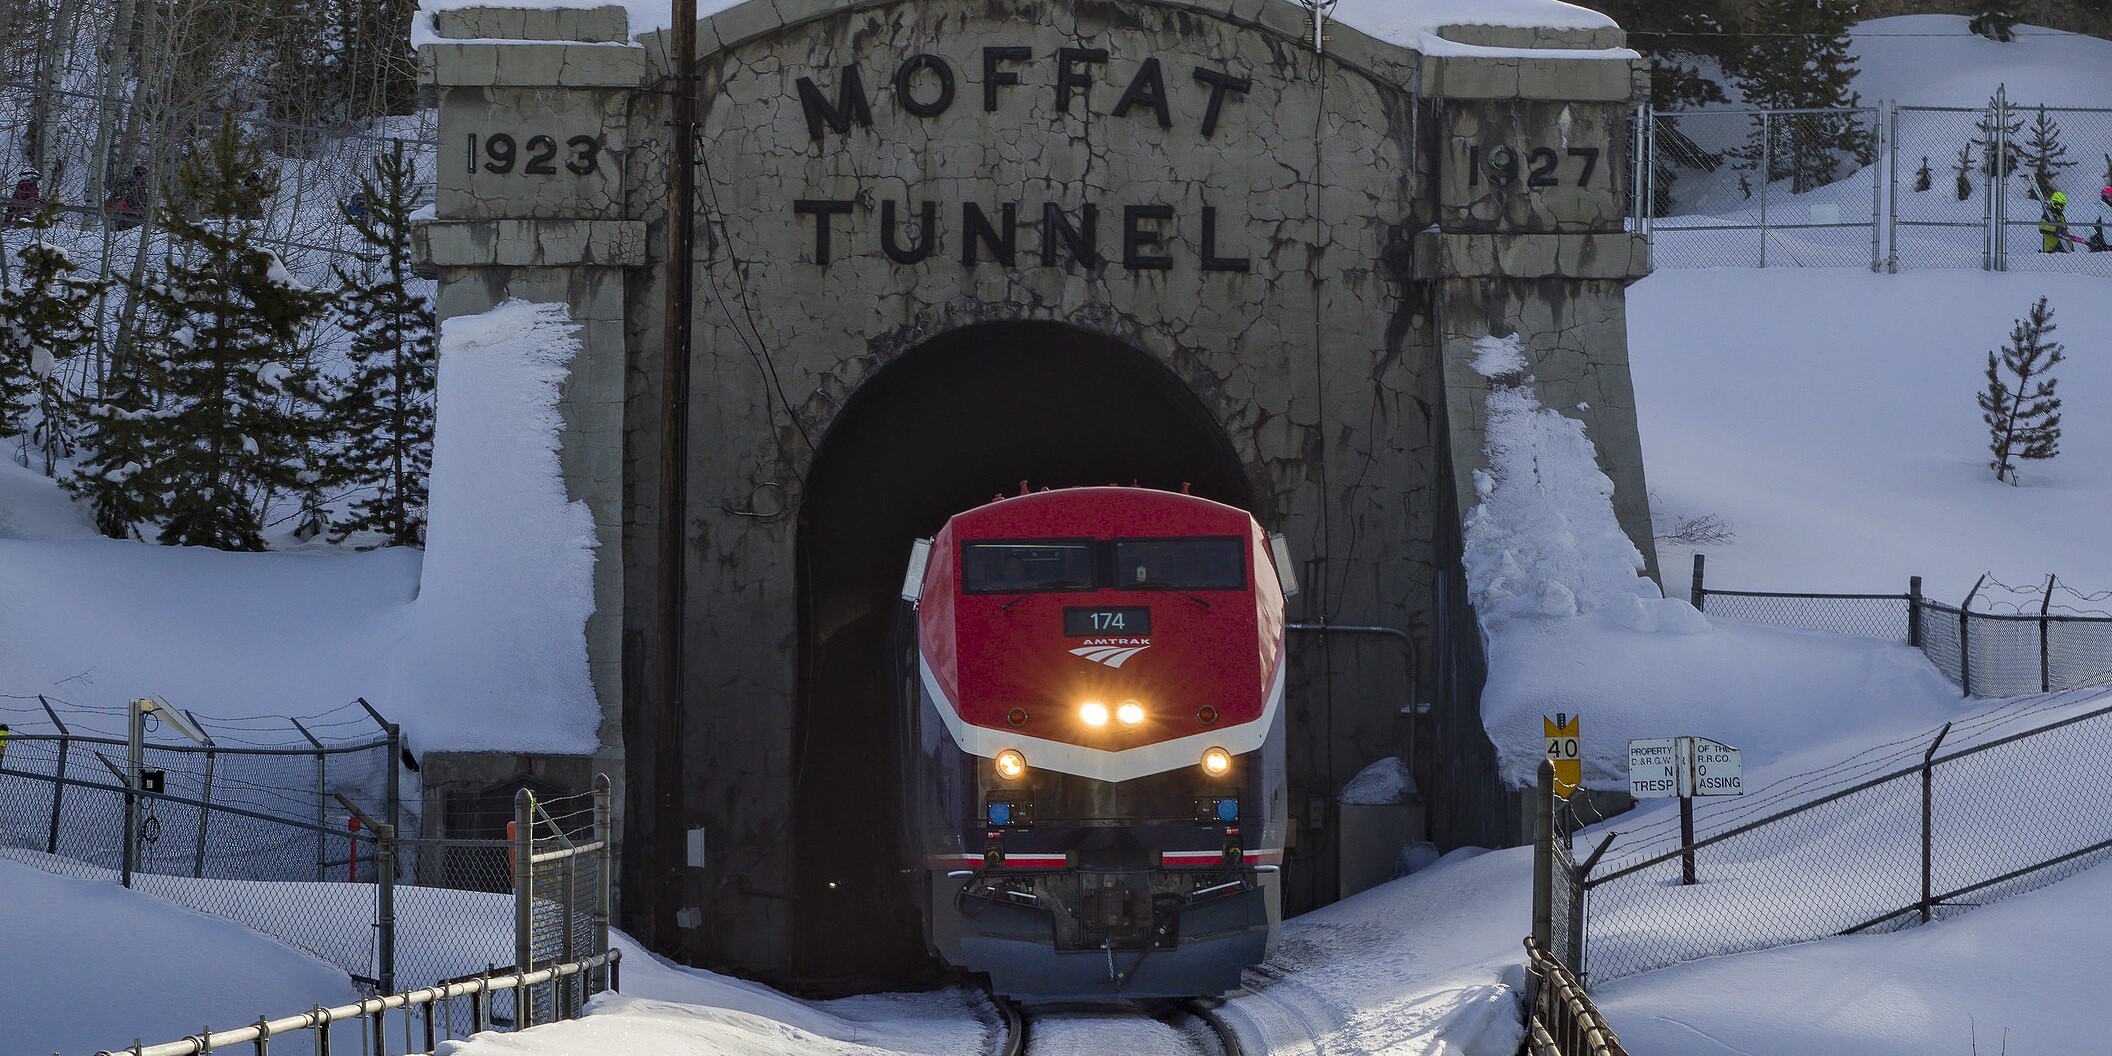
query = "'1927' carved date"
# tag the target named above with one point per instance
(1501, 166)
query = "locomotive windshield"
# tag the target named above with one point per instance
(1020, 568)
(1124, 564)
(1180, 564)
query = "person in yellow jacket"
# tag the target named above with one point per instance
(2053, 224)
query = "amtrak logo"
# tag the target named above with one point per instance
(1114, 652)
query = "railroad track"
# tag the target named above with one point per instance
(1146, 1028)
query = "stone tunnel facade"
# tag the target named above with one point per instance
(1298, 245)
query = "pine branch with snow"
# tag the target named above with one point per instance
(1804, 63)
(384, 409)
(2023, 417)
(44, 324)
(207, 419)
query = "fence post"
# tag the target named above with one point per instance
(1927, 826)
(1544, 855)
(1891, 124)
(523, 907)
(322, 802)
(135, 761)
(58, 787)
(2045, 642)
(1999, 185)
(1914, 611)
(1965, 623)
(385, 939)
(1695, 592)
(1885, 160)
(602, 859)
(205, 811)
(1767, 167)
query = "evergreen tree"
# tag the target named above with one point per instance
(1923, 178)
(2012, 126)
(385, 408)
(1802, 62)
(1681, 38)
(1963, 172)
(2042, 155)
(44, 323)
(207, 419)
(2024, 419)
(1994, 22)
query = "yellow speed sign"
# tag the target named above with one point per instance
(1565, 750)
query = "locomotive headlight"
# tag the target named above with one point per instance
(1130, 713)
(1012, 766)
(1217, 762)
(1093, 713)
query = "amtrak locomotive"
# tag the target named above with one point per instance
(1094, 793)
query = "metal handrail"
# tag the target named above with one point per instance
(321, 1018)
(1561, 1019)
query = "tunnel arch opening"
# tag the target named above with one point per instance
(961, 418)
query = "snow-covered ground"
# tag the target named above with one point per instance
(94, 966)
(1827, 417)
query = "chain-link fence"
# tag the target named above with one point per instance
(243, 831)
(1760, 188)
(1884, 187)
(275, 837)
(1975, 814)
(227, 800)
(561, 887)
(2035, 638)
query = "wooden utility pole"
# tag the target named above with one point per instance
(669, 830)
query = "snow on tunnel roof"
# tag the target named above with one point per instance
(1407, 23)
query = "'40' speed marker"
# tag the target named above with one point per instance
(1565, 751)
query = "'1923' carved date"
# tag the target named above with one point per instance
(498, 153)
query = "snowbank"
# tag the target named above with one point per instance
(494, 651)
(1386, 781)
(2024, 975)
(100, 966)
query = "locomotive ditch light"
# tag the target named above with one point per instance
(1217, 762)
(1093, 713)
(1130, 713)
(1011, 765)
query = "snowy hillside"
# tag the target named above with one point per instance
(1840, 441)
(492, 657)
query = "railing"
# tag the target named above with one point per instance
(590, 974)
(1560, 1018)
